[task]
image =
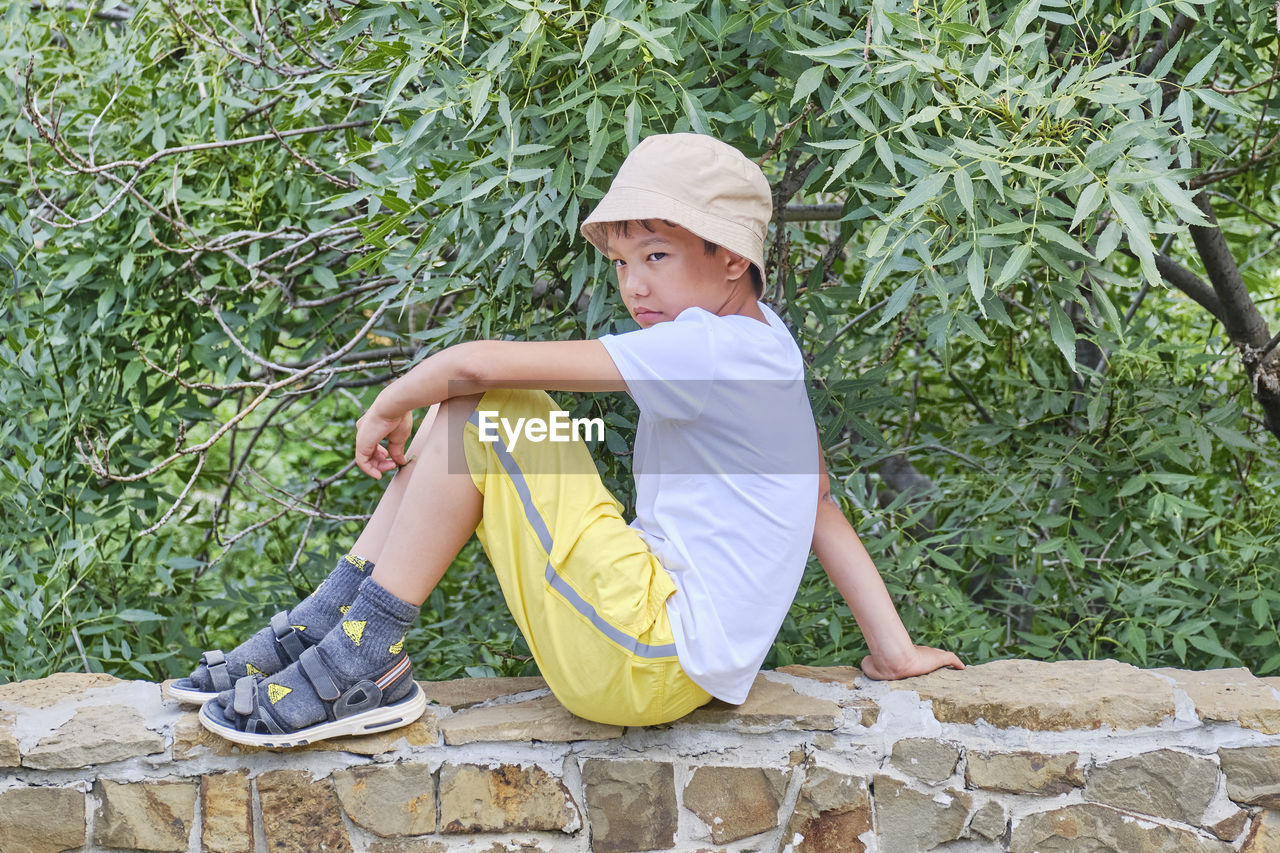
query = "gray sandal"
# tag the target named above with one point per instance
(362, 708)
(194, 690)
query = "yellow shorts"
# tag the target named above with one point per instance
(584, 588)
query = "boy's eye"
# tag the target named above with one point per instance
(619, 262)
(657, 256)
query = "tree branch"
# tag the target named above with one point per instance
(1190, 284)
(1241, 319)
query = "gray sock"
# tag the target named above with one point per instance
(311, 618)
(367, 644)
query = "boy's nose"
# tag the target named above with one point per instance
(633, 283)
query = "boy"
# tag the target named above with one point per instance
(630, 624)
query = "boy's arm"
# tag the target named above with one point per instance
(854, 574)
(472, 368)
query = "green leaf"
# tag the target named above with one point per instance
(1211, 645)
(1201, 68)
(1064, 335)
(807, 82)
(975, 275)
(925, 190)
(1015, 264)
(835, 48)
(1087, 203)
(964, 189)
(898, 302)
(632, 124)
(885, 155)
(1221, 102)
(594, 37)
(1062, 238)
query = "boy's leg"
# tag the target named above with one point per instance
(272, 649)
(436, 512)
(584, 588)
(377, 529)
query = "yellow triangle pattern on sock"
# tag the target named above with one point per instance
(397, 647)
(276, 692)
(354, 629)
(358, 562)
(343, 608)
(298, 627)
(253, 670)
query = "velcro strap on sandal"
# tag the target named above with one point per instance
(313, 667)
(216, 661)
(245, 693)
(286, 635)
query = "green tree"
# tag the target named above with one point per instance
(230, 222)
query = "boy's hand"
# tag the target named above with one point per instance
(373, 426)
(921, 660)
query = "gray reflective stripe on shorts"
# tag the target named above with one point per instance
(558, 583)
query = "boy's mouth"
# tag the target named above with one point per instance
(646, 315)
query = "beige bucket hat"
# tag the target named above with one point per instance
(695, 181)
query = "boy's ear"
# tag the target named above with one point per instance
(736, 265)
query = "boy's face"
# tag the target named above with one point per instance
(666, 270)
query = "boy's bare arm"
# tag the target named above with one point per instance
(473, 368)
(854, 574)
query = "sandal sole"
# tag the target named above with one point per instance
(382, 719)
(184, 695)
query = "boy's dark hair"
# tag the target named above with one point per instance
(622, 228)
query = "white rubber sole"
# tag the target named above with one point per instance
(184, 695)
(388, 717)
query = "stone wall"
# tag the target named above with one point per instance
(1012, 755)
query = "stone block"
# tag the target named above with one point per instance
(908, 821)
(462, 693)
(990, 821)
(9, 754)
(42, 820)
(1230, 696)
(736, 802)
(925, 758)
(300, 814)
(389, 800)
(145, 815)
(865, 711)
(770, 706)
(543, 718)
(845, 676)
(408, 845)
(832, 813)
(95, 734)
(1024, 772)
(1164, 783)
(1230, 827)
(47, 692)
(1264, 835)
(190, 739)
(226, 810)
(1043, 696)
(631, 804)
(505, 798)
(1093, 827)
(1253, 774)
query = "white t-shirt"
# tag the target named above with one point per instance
(726, 469)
